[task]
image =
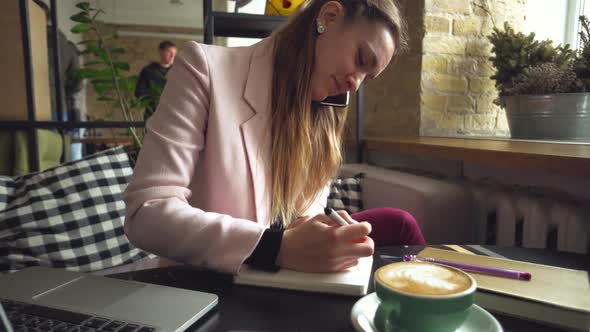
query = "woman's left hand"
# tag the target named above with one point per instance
(318, 245)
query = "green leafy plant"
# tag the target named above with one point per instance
(106, 72)
(582, 63)
(515, 52)
(546, 78)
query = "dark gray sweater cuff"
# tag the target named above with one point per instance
(265, 254)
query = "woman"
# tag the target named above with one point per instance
(239, 153)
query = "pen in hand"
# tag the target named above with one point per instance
(335, 216)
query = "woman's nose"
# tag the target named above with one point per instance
(354, 81)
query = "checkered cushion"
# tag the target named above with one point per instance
(345, 194)
(70, 216)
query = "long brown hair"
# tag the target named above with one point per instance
(306, 137)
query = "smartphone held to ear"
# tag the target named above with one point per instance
(340, 100)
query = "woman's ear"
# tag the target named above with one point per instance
(330, 13)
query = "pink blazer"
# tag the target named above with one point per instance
(200, 189)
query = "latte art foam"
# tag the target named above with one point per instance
(424, 278)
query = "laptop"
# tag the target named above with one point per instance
(59, 300)
(5, 325)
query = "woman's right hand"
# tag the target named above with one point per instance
(317, 245)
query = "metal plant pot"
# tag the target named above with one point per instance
(564, 116)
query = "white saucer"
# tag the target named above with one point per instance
(363, 313)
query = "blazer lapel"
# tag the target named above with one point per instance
(256, 130)
(258, 88)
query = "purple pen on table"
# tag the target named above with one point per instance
(473, 268)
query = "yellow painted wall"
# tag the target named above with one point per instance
(13, 84)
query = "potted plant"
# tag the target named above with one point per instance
(106, 72)
(543, 88)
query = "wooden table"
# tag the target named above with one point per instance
(566, 158)
(245, 308)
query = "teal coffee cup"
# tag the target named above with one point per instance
(422, 297)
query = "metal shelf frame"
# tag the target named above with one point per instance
(31, 124)
(216, 24)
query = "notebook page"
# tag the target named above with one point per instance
(352, 282)
(557, 286)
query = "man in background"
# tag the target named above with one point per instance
(152, 78)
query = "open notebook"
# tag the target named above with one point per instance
(553, 295)
(352, 282)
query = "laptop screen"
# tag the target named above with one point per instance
(6, 326)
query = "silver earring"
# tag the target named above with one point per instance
(321, 27)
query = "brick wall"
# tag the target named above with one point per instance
(456, 92)
(442, 87)
(392, 100)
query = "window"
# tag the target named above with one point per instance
(556, 20)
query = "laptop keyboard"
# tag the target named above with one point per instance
(31, 317)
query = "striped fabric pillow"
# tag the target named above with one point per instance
(345, 194)
(70, 216)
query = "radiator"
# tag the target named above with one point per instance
(519, 217)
